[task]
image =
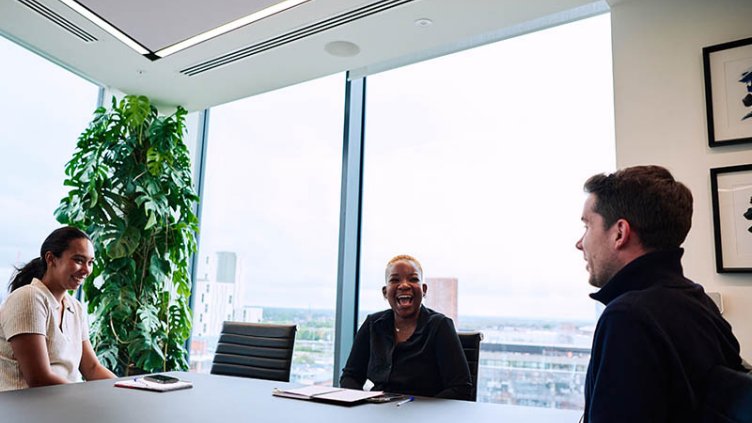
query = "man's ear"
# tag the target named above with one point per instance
(622, 233)
(383, 291)
(425, 289)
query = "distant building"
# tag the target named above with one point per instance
(227, 266)
(201, 356)
(442, 296)
(217, 294)
(250, 314)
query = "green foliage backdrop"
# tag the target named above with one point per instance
(131, 190)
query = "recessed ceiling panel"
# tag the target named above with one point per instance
(156, 24)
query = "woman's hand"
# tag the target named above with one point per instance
(90, 367)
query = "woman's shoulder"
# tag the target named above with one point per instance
(435, 319)
(434, 315)
(23, 300)
(26, 293)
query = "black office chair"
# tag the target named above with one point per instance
(729, 397)
(256, 350)
(471, 345)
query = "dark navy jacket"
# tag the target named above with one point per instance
(430, 363)
(657, 339)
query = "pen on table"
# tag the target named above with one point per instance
(405, 401)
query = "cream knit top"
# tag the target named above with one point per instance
(33, 309)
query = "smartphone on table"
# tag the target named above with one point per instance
(161, 379)
(388, 397)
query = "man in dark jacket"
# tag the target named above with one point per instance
(660, 334)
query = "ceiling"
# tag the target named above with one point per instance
(312, 39)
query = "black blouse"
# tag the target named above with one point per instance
(430, 363)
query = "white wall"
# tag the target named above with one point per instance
(660, 118)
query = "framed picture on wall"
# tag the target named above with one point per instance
(732, 218)
(728, 92)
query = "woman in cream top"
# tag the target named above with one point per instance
(44, 336)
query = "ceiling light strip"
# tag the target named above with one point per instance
(106, 26)
(314, 28)
(58, 20)
(271, 10)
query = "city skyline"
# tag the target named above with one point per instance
(523, 362)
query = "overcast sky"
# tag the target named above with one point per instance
(44, 109)
(474, 163)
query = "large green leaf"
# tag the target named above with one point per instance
(124, 243)
(149, 318)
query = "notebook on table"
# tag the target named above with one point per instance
(333, 395)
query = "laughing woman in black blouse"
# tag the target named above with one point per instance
(408, 349)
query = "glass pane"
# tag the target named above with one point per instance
(268, 247)
(44, 109)
(474, 164)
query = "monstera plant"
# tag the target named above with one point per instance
(131, 190)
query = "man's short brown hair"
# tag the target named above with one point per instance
(657, 207)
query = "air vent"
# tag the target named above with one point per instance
(295, 35)
(58, 20)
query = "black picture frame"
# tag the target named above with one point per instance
(728, 92)
(732, 218)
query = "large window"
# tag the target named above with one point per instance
(44, 109)
(270, 216)
(474, 163)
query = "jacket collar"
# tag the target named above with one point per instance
(51, 298)
(386, 320)
(642, 273)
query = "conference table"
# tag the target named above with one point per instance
(229, 399)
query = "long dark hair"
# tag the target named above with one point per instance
(56, 243)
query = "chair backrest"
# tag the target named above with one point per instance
(729, 397)
(471, 345)
(257, 350)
